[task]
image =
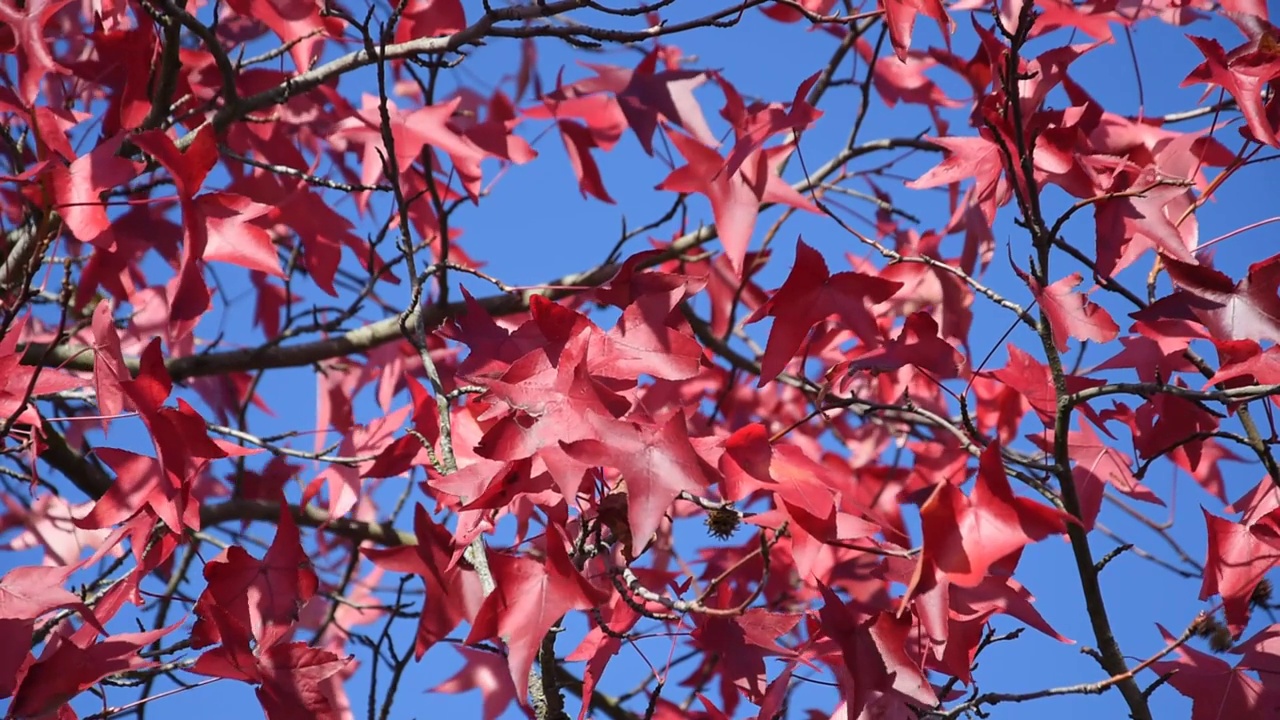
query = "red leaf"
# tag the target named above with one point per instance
(1000, 595)
(26, 21)
(1239, 555)
(657, 462)
(907, 81)
(971, 157)
(643, 344)
(259, 593)
(1166, 420)
(1072, 314)
(578, 142)
(189, 167)
(1094, 457)
(953, 617)
(644, 95)
(109, 370)
(453, 593)
(965, 537)
(484, 671)
(294, 683)
(1244, 73)
(78, 187)
(735, 197)
(599, 647)
(1151, 358)
(917, 344)
(27, 593)
(298, 23)
(900, 16)
(426, 126)
(290, 676)
(1260, 652)
(754, 125)
(430, 18)
(142, 482)
(788, 14)
(494, 134)
(345, 483)
(1246, 310)
(67, 669)
(873, 650)
(49, 523)
(1217, 690)
(1144, 218)
(398, 456)
(322, 230)
(529, 598)
(233, 238)
(189, 294)
(16, 388)
(585, 101)
(123, 63)
(742, 643)
(550, 405)
(1244, 362)
(1031, 379)
(811, 294)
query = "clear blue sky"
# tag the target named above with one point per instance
(536, 227)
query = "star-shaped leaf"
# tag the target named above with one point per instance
(529, 598)
(657, 461)
(809, 295)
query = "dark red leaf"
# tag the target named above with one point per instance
(1245, 310)
(529, 599)
(1217, 690)
(811, 294)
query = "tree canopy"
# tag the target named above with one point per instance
(322, 384)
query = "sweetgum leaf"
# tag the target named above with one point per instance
(530, 598)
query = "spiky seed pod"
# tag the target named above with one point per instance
(1261, 595)
(723, 522)
(1207, 626)
(1221, 641)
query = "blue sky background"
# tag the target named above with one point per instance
(536, 227)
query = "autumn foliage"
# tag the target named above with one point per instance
(277, 422)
